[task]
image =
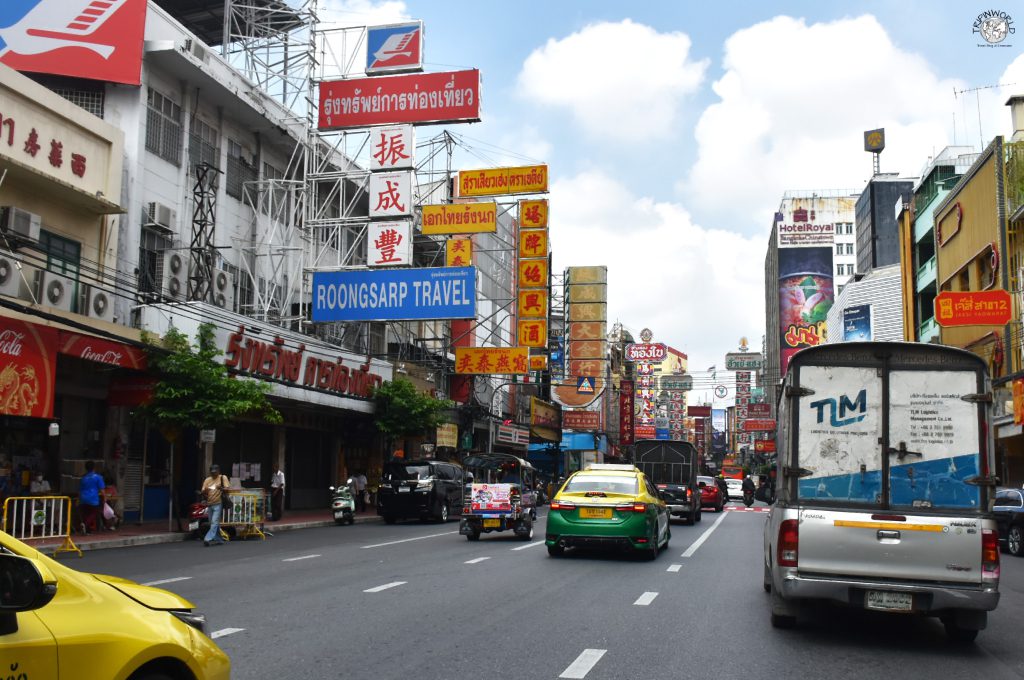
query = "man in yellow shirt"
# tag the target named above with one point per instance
(214, 487)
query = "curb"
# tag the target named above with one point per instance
(176, 537)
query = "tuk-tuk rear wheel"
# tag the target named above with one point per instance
(474, 536)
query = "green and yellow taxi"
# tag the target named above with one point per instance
(608, 506)
(56, 623)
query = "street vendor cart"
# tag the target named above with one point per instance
(499, 495)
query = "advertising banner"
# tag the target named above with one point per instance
(759, 425)
(533, 332)
(458, 252)
(591, 368)
(491, 360)
(529, 179)
(533, 273)
(973, 308)
(801, 233)
(28, 368)
(395, 294)
(625, 412)
(394, 48)
(719, 435)
(533, 213)
(538, 362)
(533, 243)
(389, 244)
(545, 420)
(391, 194)
(764, 445)
(460, 218)
(759, 410)
(581, 420)
(101, 351)
(448, 435)
(805, 297)
(100, 40)
(491, 497)
(533, 303)
(587, 330)
(418, 98)
(393, 148)
(857, 323)
(645, 432)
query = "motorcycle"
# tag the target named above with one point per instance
(748, 498)
(343, 504)
(198, 520)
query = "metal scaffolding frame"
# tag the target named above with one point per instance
(203, 250)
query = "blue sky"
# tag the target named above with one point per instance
(672, 128)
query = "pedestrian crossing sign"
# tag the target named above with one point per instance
(585, 385)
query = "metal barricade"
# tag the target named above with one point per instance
(248, 512)
(40, 517)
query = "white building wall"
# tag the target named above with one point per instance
(882, 289)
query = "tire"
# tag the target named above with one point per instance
(528, 534)
(1015, 542)
(767, 585)
(442, 517)
(390, 519)
(555, 551)
(351, 519)
(959, 635)
(340, 520)
(699, 514)
(651, 553)
(691, 519)
(475, 536)
(668, 536)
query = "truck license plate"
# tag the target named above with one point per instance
(888, 601)
(403, 489)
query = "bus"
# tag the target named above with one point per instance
(732, 471)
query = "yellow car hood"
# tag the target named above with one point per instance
(148, 596)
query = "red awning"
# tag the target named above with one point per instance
(102, 351)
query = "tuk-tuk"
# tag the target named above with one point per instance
(499, 495)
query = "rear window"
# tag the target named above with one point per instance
(606, 483)
(405, 472)
(707, 480)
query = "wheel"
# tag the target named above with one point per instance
(390, 519)
(691, 518)
(1014, 544)
(651, 553)
(767, 585)
(340, 520)
(443, 515)
(556, 550)
(475, 536)
(528, 534)
(351, 519)
(698, 515)
(721, 507)
(668, 536)
(958, 634)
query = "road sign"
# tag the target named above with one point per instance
(973, 308)
(585, 385)
(739, 361)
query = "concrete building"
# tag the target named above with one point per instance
(869, 308)
(878, 242)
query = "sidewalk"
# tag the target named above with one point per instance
(150, 533)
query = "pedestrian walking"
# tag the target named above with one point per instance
(90, 498)
(277, 493)
(213, 489)
(360, 484)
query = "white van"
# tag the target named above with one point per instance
(885, 478)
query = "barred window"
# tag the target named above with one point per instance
(151, 248)
(240, 170)
(203, 146)
(163, 127)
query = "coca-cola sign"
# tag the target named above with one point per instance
(646, 351)
(28, 359)
(11, 342)
(101, 351)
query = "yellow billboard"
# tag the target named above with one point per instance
(491, 360)
(533, 243)
(533, 333)
(533, 303)
(538, 362)
(529, 179)
(458, 252)
(533, 213)
(460, 218)
(533, 274)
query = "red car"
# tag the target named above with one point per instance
(710, 495)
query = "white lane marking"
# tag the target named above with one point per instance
(583, 664)
(393, 584)
(477, 560)
(703, 537)
(406, 540)
(645, 599)
(167, 580)
(296, 559)
(225, 631)
(529, 545)
(674, 567)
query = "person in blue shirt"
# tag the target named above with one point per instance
(90, 498)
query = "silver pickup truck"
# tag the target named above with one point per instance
(885, 469)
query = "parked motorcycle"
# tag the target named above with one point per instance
(198, 520)
(343, 504)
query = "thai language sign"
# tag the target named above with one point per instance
(460, 218)
(743, 361)
(654, 352)
(418, 98)
(973, 308)
(530, 179)
(758, 425)
(395, 294)
(491, 360)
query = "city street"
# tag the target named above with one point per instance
(419, 601)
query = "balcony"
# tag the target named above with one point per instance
(928, 331)
(926, 274)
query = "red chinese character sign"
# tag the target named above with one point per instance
(533, 243)
(458, 252)
(391, 148)
(391, 194)
(533, 214)
(95, 39)
(389, 244)
(533, 303)
(533, 273)
(533, 333)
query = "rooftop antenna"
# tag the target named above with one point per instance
(977, 101)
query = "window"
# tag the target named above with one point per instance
(849, 249)
(965, 279)
(839, 249)
(63, 256)
(163, 127)
(240, 171)
(203, 147)
(840, 269)
(151, 249)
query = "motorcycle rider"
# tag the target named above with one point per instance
(722, 486)
(748, 487)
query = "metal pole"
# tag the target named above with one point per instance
(170, 493)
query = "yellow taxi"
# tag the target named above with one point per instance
(608, 506)
(58, 623)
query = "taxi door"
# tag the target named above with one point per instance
(30, 651)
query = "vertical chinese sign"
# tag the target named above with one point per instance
(586, 308)
(532, 275)
(625, 412)
(389, 243)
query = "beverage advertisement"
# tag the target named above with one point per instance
(805, 296)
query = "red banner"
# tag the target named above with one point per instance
(764, 446)
(581, 420)
(759, 411)
(421, 98)
(645, 432)
(973, 308)
(28, 365)
(759, 425)
(625, 412)
(97, 40)
(102, 351)
(698, 411)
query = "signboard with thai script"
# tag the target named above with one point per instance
(460, 218)
(391, 194)
(653, 352)
(395, 294)
(538, 362)
(389, 244)
(759, 425)
(581, 420)
(392, 148)
(394, 48)
(533, 243)
(417, 98)
(28, 367)
(743, 361)
(491, 360)
(533, 213)
(529, 179)
(973, 308)
(95, 39)
(458, 252)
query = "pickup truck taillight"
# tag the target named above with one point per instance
(989, 556)
(788, 548)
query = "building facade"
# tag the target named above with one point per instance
(878, 242)
(869, 308)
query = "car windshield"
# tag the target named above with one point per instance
(606, 483)
(401, 472)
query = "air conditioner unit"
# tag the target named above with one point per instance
(15, 283)
(197, 50)
(98, 303)
(160, 216)
(174, 275)
(223, 289)
(55, 290)
(18, 222)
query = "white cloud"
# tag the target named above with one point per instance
(698, 289)
(620, 81)
(793, 104)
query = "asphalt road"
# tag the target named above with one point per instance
(419, 601)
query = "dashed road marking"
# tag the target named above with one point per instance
(393, 584)
(225, 631)
(529, 545)
(167, 580)
(477, 560)
(296, 559)
(703, 537)
(406, 540)
(583, 664)
(674, 567)
(645, 599)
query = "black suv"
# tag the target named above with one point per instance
(420, 488)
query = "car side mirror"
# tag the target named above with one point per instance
(25, 584)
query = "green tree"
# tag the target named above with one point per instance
(195, 390)
(404, 411)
